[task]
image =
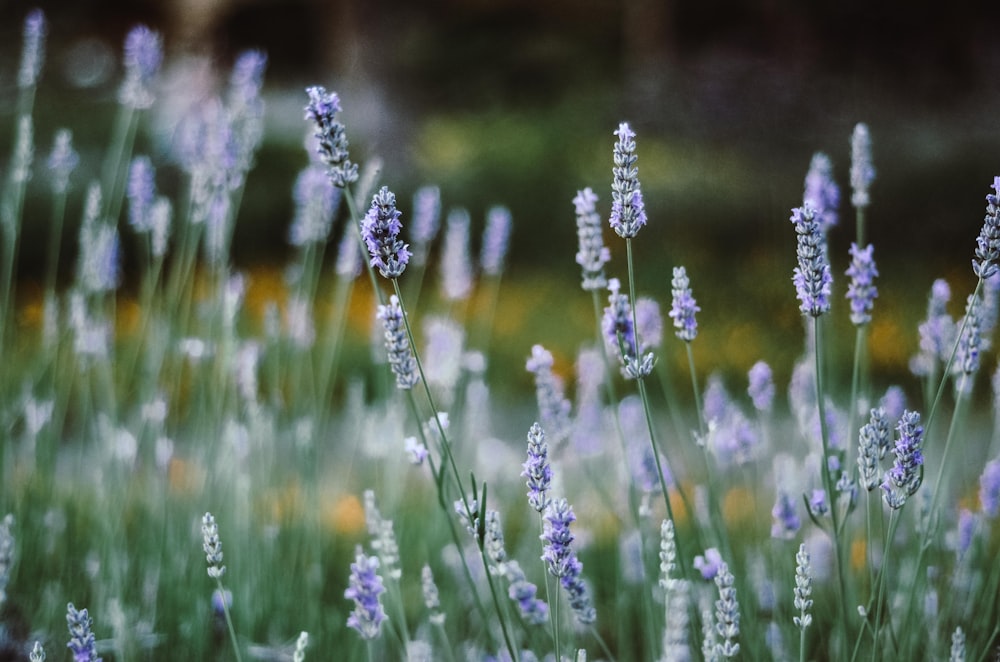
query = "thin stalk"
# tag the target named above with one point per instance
(859, 348)
(555, 624)
(893, 523)
(229, 621)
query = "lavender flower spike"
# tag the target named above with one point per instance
(803, 589)
(988, 242)
(6, 554)
(561, 560)
(143, 56)
(821, 192)
(761, 386)
(496, 237)
(37, 653)
(989, 489)
(81, 639)
(537, 469)
(364, 588)
(905, 476)
(862, 170)
(812, 277)
(140, 191)
(727, 614)
(33, 49)
(861, 292)
(628, 213)
(873, 441)
(322, 110)
(62, 161)
(401, 359)
(684, 307)
(380, 229)
(212, 546)
(592, 254)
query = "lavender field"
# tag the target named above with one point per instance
(360, 455)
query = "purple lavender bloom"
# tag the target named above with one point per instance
(812, 277)
(63, 160)
(786, 522)
(562, 561)
(81, 638)
(861, 292)
(364, 588)
(592, 254)
(496, 237)
(893, 402)
(873, 442)
(553, 407)
(937, 331)
(989, 489)
(715, 399)
(862, 170)
(619, 333)
(523, 592)
(33, 49)
(965, 530)
(727, 614)
(988, 242)
(426, 221)
(143, 56)
(322, 110)
(649, 323)
(821, 192)
(537, 469)
(140, 191)
(966, 361)
(212, 546)
(628, 213)
(380, 229)
(684, 307)
(709, 564)
(397, 344)
(348, 254)
(315, 202)
(906, 474)
(761, 386)
(456, 265)
(817, 503)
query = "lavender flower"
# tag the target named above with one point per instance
(873, 442)
(401, 359)
(966, 362)
(812, 277)
(628, 213)
(322, 110)
(212, 546)
(81, 639)
(821, 192)
(37, 653)
(684, 307)
(32, 50)
(553, 407)
(246, 107)
(906, 474)
(862, 170)
(727, 614)
(709, 563)
(97, 268)
(537, 469)
(861, 292)
(761, 386)
(649, 323)
(957, 652)
(524, 593)
(315, 202)
(364, 588)
(803, 588)
(988, 242)
(989, 489)
(383, 537)
(493, 543)
(786, 522)
(143, 56)
(937, 331)
(818, 505)
(496, 237)
(444, 339)
(380, 229)
(468, 515)
(592, 254)
(456, 267)
(6, 554)
(668, 553)
(432, 599)
(299, 655)
(426, 221)
(965, 529)
(140, 191)
(562, 562)
(619, 333)
(62, 161)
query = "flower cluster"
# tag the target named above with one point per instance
(401, 359)
(873, 442)
(380, 229)
(812, 277)
(861, 292)
(862, 170)
(6, 554)
(684, 307)
(537, 469)
(988, 242)
(727, 614)
(322, 111)
(989, 489)
(364, 588)
(33, 49)
(63, 160)
(628, 212)
(81, 639)
(143, 56)
(496, 238)
(212, 546)
(561, 560)
(553, 407)
(906, 474)
(592, 254)
(760, 386)
(803, 588)
(619, 333)
(821, 192)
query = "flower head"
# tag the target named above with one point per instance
(862, 170)
(619, 333)
(315, 202)
(81, 639)
(966, 362)
(786, 522)
(988, 242)
(496, 237)
(365, 587)
(761, 386)
(62, 160)
(561, 560)
(727, 613)
(821, 192)
(812, 277)
(143, 56)
(906, 474)
(6, 554)
(803, 588)
(861, 292)
(628, 212)
(592, 254)
(140, 191)
(322, 111)
(684, 307)
(553, 407)
(33, 49)
(873, 442)
(397, 343)
(212, 546)
(456, 263)
(989, 489)
(380, 229)
(426, 221)
(537, 469)
(709, 563)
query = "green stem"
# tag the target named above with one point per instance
(886, 556)
(229, 620)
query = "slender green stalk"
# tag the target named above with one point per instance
(229, 620)
(886, 556)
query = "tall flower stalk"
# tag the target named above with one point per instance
(212, 545)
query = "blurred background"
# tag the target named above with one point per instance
(514, 102)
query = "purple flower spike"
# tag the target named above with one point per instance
(709, 564)
(33, 49)
(861, 292)
(537, 469)
(380, 229)
(862, 170)
(82, 642)
(140, 191)
(401, 359)
(561, 560)
(761, 386)
(906, 474)
(63, 160)
(592, 254)
(364, 588)
(786, 522)
(496, 237)
(628, 213)
(988, 242)
(989, 489)
(812, 277)
(821, 192)
(143, 56)
(322, 110)
(684, 307)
